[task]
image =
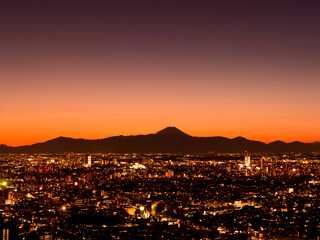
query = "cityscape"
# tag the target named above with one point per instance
(160, 196)
(93, 95)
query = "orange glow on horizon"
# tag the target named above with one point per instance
(111, 69)
(23, 137)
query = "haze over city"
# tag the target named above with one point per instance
(235, 68)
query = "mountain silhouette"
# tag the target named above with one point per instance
(168, 140)
(171, 131)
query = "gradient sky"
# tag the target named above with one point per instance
(94, 69)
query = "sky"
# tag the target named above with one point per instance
(94, 69)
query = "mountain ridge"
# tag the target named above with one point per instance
(171, 131)
(167, 140)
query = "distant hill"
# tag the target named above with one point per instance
(168, 140)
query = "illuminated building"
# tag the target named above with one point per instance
(262, 163)
(247, 159)
(170, 173)
(88, 161)
(5, 234)
(46, 237)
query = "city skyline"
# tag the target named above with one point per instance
(100, 69)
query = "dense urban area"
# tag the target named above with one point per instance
(160, 196)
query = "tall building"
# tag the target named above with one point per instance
(88, 161)
(247, 159)
(262, 163)
(5, 234)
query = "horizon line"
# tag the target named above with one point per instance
(92, 139)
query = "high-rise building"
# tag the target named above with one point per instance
(88, 161)
(262, 163)
(5, 234)
(247, 159)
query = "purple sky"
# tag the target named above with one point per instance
(99, 68)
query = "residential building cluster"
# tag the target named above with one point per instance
(159, 196)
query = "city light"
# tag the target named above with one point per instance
(184, 191)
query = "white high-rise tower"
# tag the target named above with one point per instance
(88, 161)
(247, 159)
